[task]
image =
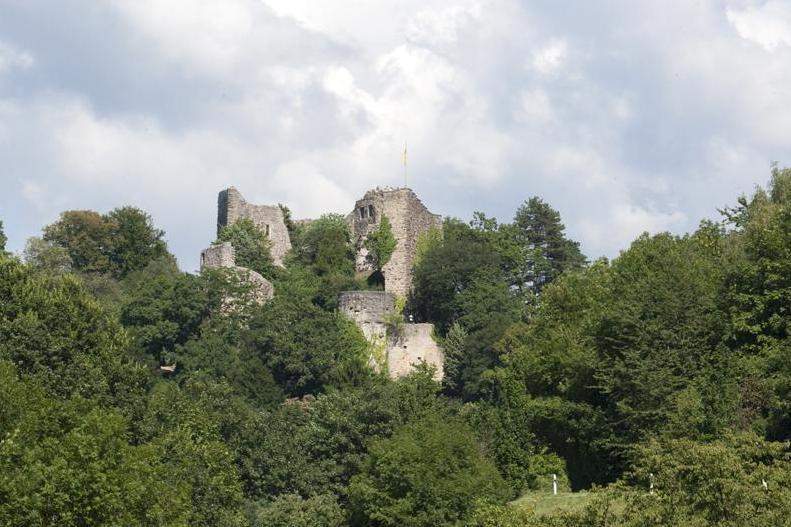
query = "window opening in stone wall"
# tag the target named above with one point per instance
(363, 213)
(267, 230)
(371, 212)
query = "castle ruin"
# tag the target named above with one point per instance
(231, 206)
(396, 346)
(222, 256)
(409, 218)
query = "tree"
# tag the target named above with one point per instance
(757, 293)
(86, 236)
(447, 268)
(135, 242)
(323, 259)
(46, 256)
(163, 309)
(306, 348)
(251, 246)
(3, 237)
(429, 473)
(291, 510)
(117, 243)
(54, 330)
(68, 462)
(541, 233)
(380, 244)
(719, 483)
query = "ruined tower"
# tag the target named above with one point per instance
(231, 206)
(409, 219)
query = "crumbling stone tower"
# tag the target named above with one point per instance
(231, 206)
(409, 219)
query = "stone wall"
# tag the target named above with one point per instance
(368, 309)
(416, 344)
(222, 256)
(231, 206)
(413, 344)
(408, 217)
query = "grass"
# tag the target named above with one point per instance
(543, 503)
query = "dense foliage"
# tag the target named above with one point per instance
(251, 246)
(131, 395)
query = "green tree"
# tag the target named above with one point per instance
(712, 484)
(54, 330)
(380, 244)
(69, 463)
(429, 473)
(305, 347)
(116, 243)
(163, 308)
(291, 510)
(86, 236)
(323, 259)
(134, 241)
(660, 331)
(447, 268)
(46, 256)
(3, 237)
(539, 229)
(251, 246)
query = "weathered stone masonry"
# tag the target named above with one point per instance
(231, 206)
(222, 256)
(370, 310)
(409, 219)
(413, 343)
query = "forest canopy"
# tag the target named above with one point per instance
(657, 384)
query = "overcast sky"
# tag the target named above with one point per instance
(627, 116)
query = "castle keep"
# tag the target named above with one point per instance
(395, 347)
(409, 218)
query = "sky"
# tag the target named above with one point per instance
(626, 116)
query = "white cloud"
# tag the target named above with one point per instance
(535, 107)
(768, 25)
(11, 57)
(440, 27)
(617, 117)
(208, 34)
(551, 57)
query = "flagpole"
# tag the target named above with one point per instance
(405, 182)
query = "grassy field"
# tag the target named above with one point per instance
(545, 503)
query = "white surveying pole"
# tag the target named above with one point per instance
(554, 484)
(651, 483)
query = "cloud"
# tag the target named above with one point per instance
(550, 58)
(625, 117)
(768, 26)
(10, 58)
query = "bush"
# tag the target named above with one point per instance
(429, 473)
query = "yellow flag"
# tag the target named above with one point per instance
(404, 154)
